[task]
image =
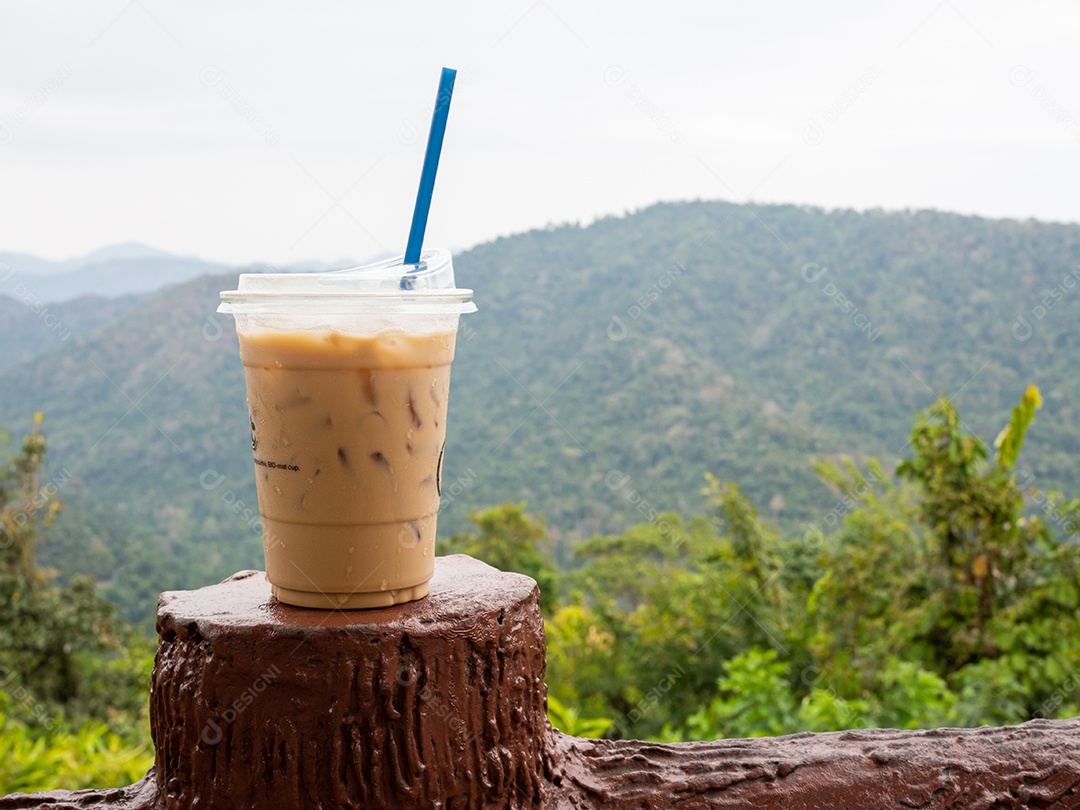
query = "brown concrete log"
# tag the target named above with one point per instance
(143, 795)
(441, 703)
(1034, 765)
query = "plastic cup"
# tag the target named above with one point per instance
(348, 377)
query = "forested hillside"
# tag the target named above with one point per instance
(608, 369)
(29, 328)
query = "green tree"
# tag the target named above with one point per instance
(64, 655)
(973, 508)
(949, 575)
(871, 583)
(936, 601)
(755, 700)
(511, 540)
(746, 567)
(662, 607)
(757, 696)
(630, 641)
(24, 504)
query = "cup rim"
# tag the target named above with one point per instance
(383, 286)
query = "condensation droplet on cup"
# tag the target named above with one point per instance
(352, 549)
(384, 585)
(348, 569)
(277, 489)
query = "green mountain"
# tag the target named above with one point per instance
(29, 327)
(608, 369)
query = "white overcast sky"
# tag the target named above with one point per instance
(288, 131)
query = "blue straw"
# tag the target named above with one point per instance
(431, 165)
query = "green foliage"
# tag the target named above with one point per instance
(985, 560)
(66, 645)
(569, 721)
(938, 599)
(656, 611)
(758, 697)
(73, 677)
(951, 576)
(825, 710)
(25, 504)
(89, 756)
(511, 540)
(581, 659)
(1011, 438)
(911, 697)
(754, 700)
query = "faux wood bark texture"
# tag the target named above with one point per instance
(1034, 765)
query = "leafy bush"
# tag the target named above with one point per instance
(55, 756)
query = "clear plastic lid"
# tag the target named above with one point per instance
(389, 286)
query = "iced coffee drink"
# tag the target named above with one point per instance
(348, 421)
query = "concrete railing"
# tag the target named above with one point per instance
(442, 703)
